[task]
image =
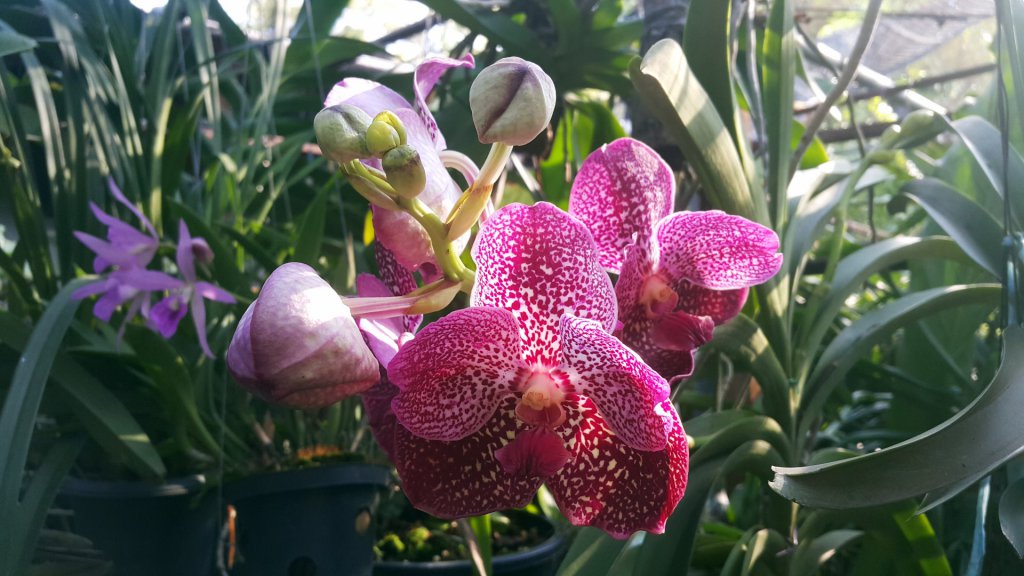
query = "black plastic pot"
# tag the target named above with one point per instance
(167, 529)
(315, 521)
(542, 560)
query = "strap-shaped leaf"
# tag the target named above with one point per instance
(742, 340)
(964, 448)
(779, 70)
(1011, 515)
(812, 553)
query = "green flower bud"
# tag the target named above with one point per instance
(341, 132)
(919, 127)
(512, 101)
(404, 170)
(385, 132)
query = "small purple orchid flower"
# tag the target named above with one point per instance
(528, 386)
(167, 314)
(680, 274)
(128, 251)
(398, 231)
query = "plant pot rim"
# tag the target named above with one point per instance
(330, 476)
(545, 548)
(180, 486)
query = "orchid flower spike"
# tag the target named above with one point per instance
(298, 345)
(397, 230)
(527, 386)
(680, 274)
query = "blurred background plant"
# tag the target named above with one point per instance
(882, 324)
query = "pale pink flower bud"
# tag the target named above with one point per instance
(512, 101)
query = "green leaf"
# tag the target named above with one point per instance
(1011, 515)
(101, 413)
(985, 143)
(815, 155)
(857, 339)
(975, 230)
(779, 70)
(813, 553)
(725, 441)
(968, 446)
(708, 51)
(741, 339)
(667, 85)
(311, 230)
(764, 544)
(591, 553)
(11, 42)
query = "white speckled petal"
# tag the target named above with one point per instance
(624, 388)
(540, 263)
(621, 191)
(717, 250)
(456, 371)
(464, 478)
(614, 487)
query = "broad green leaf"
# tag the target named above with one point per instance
(1011, 515)
(710, 422)
(11, 42)
(1012, 27)
(855, 269)
(975, 230)
(742, 340)
(815, 155)
(765, 543)
(857, 339)
(779, 70)
(726, 440)
(708, 51)
(481, 526)
(985, 143)
(969, 445)
(667, 85)
(311, 230)
(812, 553)
(591, 553)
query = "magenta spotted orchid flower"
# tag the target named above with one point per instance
(528, 386)
(398, 231)
(680, 274)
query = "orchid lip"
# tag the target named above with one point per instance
(657, 296)
(541, 400)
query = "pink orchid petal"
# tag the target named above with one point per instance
(369, 96)
(454, 374)
(147, 280)
(540, 263)
(92, 289)
(239, 356)
(614, 487)
(215, 293)
(120, 197)
(426, 76)
(625, 390)
(383, 423)
(717, 250)
(381, 335)
(621, 191)
(184, 256)
(463, 478)
(199, 319)
(110, 301)
(681, 332)
(720, 305)
(537, 452)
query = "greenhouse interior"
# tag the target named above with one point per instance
(511, 287)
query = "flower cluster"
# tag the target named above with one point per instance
(553, 374)
(122, 260)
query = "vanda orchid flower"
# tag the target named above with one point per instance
(527, 386)
(166, 314)
(680, 274)
(397, 230)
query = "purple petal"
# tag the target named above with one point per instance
(120, 197)
(147, 280)
(614, 487)
(456, 371)
(117, 294)
(199, 319)
(381, 335)
(369, 96)
(720, 305)
(383, 423)
(215, 293)
(93, 288)
(167, 314)
(184, 256)
(426, 76)
(106, 253)
(621, 191)
(625, 390)
(540, 263)
(455, 479)
(398, 279)
(241, 361)
(717, 250)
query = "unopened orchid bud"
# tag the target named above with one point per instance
(201, 251)
(512, 101)
(341, 132)
(919, 127)
(385, 132)
(298, 345)
(404, 170)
